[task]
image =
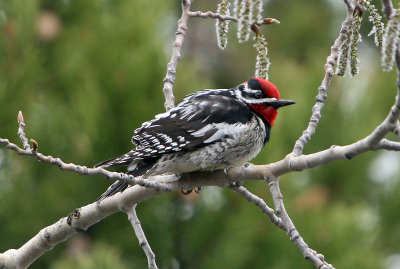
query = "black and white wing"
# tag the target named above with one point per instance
(194, 123)
(200, 119)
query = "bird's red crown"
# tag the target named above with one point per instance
(269, 88)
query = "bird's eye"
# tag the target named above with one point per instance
(258, 95)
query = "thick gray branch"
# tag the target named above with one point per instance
(80, 219)
(84, 217)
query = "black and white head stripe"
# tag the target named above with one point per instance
(250, 95)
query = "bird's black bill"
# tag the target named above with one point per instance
(281, 102)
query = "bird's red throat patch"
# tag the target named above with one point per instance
(269, 113)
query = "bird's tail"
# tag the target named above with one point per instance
(121, 160)
(118, 186)
(137, 167)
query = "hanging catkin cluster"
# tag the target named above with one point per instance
(248, 16)
(348, 51)
(355, 39)
(348, 59)
(245, 11)
(376, 20)
(390, 41)
(344, 55)
(222, 26)
(262, 60)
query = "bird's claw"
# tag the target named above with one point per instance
(236, 184)
(186, 191)
(226, 169)
(189, 191)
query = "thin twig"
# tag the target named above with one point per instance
(134, 220)
(317, 259)
(387, 8)
(267, 21)
(322, 90)
(84, 170)
(210, 14)
(21, 131)
(284, 223)
(218, 16)
(396, 129)
(388, 145)
(169, 79)
(260, 203)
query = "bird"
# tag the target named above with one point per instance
(208, 130)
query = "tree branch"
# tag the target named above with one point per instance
(21, 131)
(81, 219)
(322, 90)
(388, 145)
(84, 217)
(84, 170)
(169, 79)
(387, 8)
(396, 130)
(317, 259)
(260, 203)
(213, 15)
(284, 223)
(137, 227)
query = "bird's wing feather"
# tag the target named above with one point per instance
(198, 120)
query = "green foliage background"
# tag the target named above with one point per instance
(84, 89)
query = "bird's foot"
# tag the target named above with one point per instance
(227, 167)
(236, 184)
(186, 191)
(189, 191)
